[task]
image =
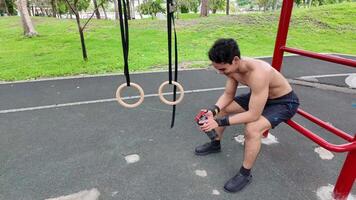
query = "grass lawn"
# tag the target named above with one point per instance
(57, 51)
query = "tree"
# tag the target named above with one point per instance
(54, 8)
(227, 7)
(215, 5)
(28, 28)
(116, 10)
(204, 8)
(75, 7)
(3, 8)
(151, 8)
(10, 7)
(96, 9)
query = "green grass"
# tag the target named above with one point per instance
(57, 52)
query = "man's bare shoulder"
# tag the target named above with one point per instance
(257, 62)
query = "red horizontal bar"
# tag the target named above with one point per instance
(325, 125)
(320, 141)
(329, 58)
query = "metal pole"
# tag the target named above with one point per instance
(281, 39)
(347, 177)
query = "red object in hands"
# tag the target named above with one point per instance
(200, 116)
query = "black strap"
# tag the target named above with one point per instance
(170, 21)
(124, 28)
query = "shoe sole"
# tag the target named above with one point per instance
(207, 153)
(228, 191)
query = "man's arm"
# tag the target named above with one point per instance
(259, 95)
(228, 96)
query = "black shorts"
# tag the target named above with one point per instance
(276, 110)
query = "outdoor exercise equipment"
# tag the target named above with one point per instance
(170, 22)
(125, 48)
(347, 175)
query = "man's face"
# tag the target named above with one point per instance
(222, 68)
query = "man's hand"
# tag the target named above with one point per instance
(203, 115)
(209, 124)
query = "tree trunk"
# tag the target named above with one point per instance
(275, 4)
(128, 9)
(116, 10)
(54, 8)
(29, 11)
(204, 8)
(227, 7)
(139, 9)
(106, 16)
(81, 34)
(6, 10)
(32, 11)
(97, 13)
(132, 9)
(28, 27)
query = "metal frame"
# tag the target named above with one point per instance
(347, 174)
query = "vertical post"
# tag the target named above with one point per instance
(347, 177)
(281, 39)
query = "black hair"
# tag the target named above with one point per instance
(224, 50)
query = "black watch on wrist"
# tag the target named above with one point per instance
(223, 121)
(215, 110)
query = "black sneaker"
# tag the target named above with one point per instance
(206, 149)
(237, 182)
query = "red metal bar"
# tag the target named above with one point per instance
(329, 58)
(281, 38)
(320, 141)
(325, 125)
(347, 177)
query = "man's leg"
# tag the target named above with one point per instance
(214, 146)
(232, 108)
(253, 135)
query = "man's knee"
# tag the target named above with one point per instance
(252, 131)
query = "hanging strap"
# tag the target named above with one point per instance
(170, 21)
(124, 37)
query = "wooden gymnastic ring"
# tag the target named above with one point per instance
(160, 93)
(119, 98)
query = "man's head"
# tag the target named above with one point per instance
(224, 53)
(224, 50)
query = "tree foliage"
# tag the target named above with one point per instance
(151, 7)
(188, 5)
(216, 5)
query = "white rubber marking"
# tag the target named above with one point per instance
(215, 192)
(326, 75)
(102, 101)
(201, 173)
(132, 158)
(92, 194)
(325, 193)
(240, 139)
(351, 81)
(323, 153)
(270, 139)
(114, 193)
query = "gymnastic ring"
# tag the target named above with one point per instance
(119, 98)
(180, 88)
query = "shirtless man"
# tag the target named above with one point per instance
(270, 101)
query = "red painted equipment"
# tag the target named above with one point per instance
(348, 172)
